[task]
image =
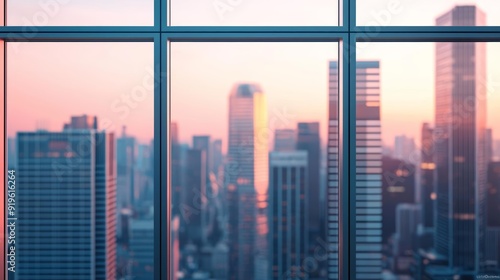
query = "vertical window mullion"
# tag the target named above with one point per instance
(161, 145)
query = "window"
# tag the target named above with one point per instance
(250, 140)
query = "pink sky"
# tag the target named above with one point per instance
(49, 82)
(94, 76)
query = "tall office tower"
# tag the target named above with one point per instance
(11, 153)
(194, 203)
(405, 149)
(217, 157)
(460, 120)
(202, 142)
(493, 198)
(398, 186)
(368, 172)
(288, 223)
(247, 179)
(126, 154)
(66, 202)
(427, 167)
(142, 248)
(285, 140)
(407, 220)
(308, 140)
(143, 162)
(488, 144)
(175, 169)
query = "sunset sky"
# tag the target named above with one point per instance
(48, 82)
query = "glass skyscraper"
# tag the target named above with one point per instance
(247, 181)
(66, 202)
(460, 126)
(288, 209)
(368, 206)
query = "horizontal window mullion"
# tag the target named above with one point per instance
(427, 37)
(78, 37)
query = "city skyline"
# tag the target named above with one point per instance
(255, 170)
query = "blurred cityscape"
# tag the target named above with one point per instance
(270, 211)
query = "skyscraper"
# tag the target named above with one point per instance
(66, 201)
(288, 227)
(217, 157)
(368, 172)
(142, 248)
(427, 167)
(460, 126)
(398, 187)
(407, 220)
(404, 148)
(202, 142)
(194, 203)
(308, 140)
(176, 168)
(126, 153)
(247, 179)
(285, 139)
(493, 198)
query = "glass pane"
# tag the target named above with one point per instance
(255, 12)
(427, 13)
(80, 129)
(79, 12)
(249, 128)
(427, 180)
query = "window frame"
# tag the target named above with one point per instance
(347, 34)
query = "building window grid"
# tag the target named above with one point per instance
(347, 34)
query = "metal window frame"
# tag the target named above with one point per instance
(347, 34)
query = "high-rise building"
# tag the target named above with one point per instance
(493, 198)
(202, 142)
(66, 201)
(217, 157)
(405, 149)
(398, 186)
(460, 127)
(407, 220)
(427, 167)
(247, 179)
(177, 175)
(288, 223)
(285, 139)
(194, 200)
(368, 172)
(308, 140)
(126, 153)
(142, 248)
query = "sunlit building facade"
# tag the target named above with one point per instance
(460, 127)
(368, 171)
(247, 181)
